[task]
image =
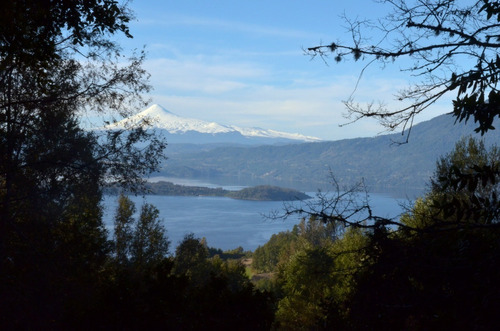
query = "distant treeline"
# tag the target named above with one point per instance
(268, 193)
(385, 164)
(261, 193)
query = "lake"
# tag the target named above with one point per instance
(227, 223)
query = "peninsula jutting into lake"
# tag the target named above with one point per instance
(257, 193)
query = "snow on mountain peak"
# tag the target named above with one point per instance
(156, 110)
(161, 118)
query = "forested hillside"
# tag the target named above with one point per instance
(258, 193)
(343, 267)
(382, 161)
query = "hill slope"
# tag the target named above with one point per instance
(257, 193)
(383, 164)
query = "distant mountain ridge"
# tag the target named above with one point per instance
(384, 165)
(179, 129)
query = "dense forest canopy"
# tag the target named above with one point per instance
(258, 193)
(435, 267)
(385, 165)
(57, 61)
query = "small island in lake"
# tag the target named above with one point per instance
(257, 193)
(268, 193)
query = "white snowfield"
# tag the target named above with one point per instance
(163, 119)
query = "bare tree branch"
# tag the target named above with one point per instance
(453, 48)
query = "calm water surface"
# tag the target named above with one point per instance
(227, 223)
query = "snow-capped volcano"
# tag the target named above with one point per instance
(181, 129)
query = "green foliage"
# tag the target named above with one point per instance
(467, 181)
(191, 259)
(58, 268)
(269, 193)
(33, 30)
(218, 294)
(123, 229)
(399, 168)
(187, 291)
(57, 61)
(282, 246)
(267, 257)
(141, 243)
(318, 281)
(468, 157)
(259, 193)
(464, 190)
(307, 279)
(316, 232)
(445, 255)
(434, 269)
(149, 243)
(52, 240)
(423, 280)
(166, 188)
(231, 254)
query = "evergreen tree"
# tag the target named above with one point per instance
(439, 270)
(123, 229)
(149, 243)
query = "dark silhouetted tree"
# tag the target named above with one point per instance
(123, 229)
(149, 243)
(435, 267)
(139, 243)
(58, 61)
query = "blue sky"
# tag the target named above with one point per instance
(242, 63)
